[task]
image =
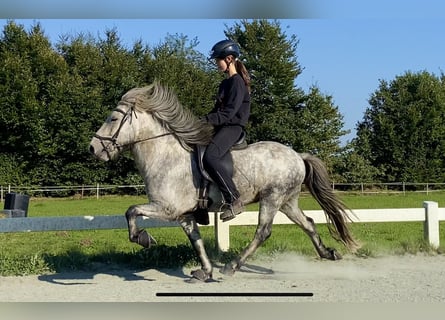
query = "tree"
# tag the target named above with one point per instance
(50, 100)
(29, 68)
(53, 98)
(352, 167)
(319, 126)
(176, 63)
(403, 131)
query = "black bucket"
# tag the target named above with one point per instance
(16, 205)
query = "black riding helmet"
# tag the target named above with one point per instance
(223, 49)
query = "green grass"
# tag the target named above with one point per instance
(48, 252)
(376, 201)
(119, 204)
(106, 205)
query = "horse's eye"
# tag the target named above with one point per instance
(111, 119)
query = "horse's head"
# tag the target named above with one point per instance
(123, 128)
(114, 135)
(146, 114)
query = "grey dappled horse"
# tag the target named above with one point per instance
(160, 133)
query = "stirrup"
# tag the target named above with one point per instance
(229, 213)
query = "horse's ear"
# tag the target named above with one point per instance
(150, 90)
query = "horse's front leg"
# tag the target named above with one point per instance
(137, 235)
(191, 229)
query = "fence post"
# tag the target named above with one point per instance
(222, 234)
(431, 226)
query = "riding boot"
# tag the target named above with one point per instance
(232, 210)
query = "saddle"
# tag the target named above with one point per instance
(201, 214)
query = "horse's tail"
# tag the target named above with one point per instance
(317, 181)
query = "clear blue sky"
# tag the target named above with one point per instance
(344, 48)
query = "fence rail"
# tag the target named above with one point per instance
(430, 214)
(100, 189)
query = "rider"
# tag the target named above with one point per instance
(229, 118)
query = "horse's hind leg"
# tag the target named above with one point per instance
(297, 216)
(263, 232)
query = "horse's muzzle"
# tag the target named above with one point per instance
(100, 151)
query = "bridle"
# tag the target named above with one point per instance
(113, 139)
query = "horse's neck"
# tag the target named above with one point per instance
(153, 157)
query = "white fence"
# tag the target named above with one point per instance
(430, 214)
(101, 189)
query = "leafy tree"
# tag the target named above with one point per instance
(319, 126)
(52, 99)
(29, 65)
(176, 63)
(352, 167)
(120, 70)
(12, 169)
(85, 97)
(402, 132)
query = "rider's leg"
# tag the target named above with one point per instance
(218, 163)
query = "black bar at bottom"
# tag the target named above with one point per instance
(234, 294)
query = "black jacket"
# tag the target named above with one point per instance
(232, 106)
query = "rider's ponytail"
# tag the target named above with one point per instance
(241, 69)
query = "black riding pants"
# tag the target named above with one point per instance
(218, 160)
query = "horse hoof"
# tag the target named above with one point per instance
(227, 270)
(145, 240)
(334, 255)
(201, 275)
